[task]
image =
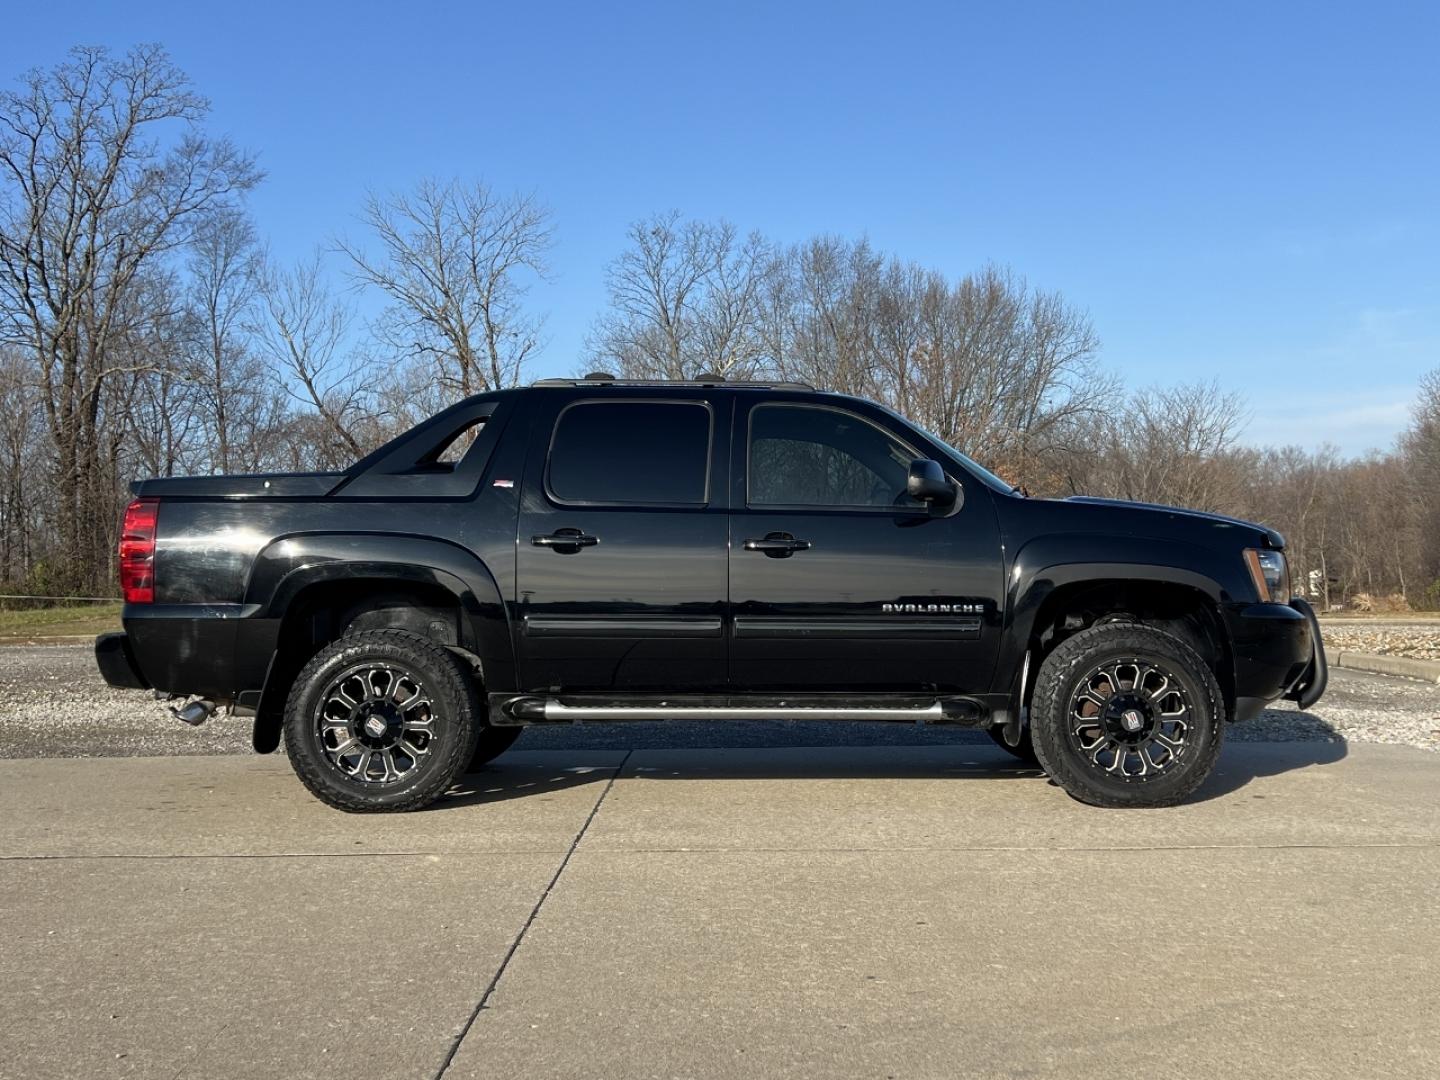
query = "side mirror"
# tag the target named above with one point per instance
(928, 484)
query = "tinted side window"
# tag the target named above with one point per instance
(631, 452)
(823, 457)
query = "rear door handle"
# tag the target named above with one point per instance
(777, 545)
(565, 538)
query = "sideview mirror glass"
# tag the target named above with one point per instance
(927, 483)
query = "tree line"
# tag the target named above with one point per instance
(145, 330)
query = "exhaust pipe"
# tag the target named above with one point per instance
(196, 713)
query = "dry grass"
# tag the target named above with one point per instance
(65, 621)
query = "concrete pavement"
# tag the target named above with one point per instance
(864, 911)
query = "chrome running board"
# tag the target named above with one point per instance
(508, 709)
(557, 710)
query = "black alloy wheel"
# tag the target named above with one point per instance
(1126, 714)
(1130, 717)
(382, 720)
(376, 723)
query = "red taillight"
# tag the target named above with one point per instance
(137, 551)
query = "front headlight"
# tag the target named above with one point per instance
(1268, 571)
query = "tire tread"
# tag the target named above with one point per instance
(456, 685)
(1053, 752)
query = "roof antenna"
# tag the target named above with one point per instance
(599, 376)
(709, 377)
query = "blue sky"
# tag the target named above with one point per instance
(1246, 192)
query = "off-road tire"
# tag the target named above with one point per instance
(1060, 679)
(456, 710)
(493, 742)
(1024, 752)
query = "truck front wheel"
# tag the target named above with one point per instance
(1126, 715)
(382, 720)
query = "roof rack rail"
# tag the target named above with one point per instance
(601, 378)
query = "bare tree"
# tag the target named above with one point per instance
(1421, 450)
(1005, 372)
(103, 170)
(1177, 446)
(685, 298)
(225, 269)
(1291, 490)
(817, 317)
(19, 442)
(158, 401)
(1009, 375)
(456, 262)
(304, 332)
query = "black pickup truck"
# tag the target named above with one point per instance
(597, 549)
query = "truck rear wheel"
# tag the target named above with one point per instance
(1126, 715)
(382, 720)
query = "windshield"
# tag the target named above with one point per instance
(975, 467)
(964, 460)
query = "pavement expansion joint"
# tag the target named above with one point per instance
(1119, 849)
(174, 856)
(534, 913)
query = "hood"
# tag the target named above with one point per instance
(1273, 538)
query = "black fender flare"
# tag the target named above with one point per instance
(289, 565)
(1051, 562)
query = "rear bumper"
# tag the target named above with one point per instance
(199, 650)
(1278, 653)
(117, 662)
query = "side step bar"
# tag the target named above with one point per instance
(553, 710)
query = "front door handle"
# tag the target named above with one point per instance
(565, 538)
(778, 545)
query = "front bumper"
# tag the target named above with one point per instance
(117, 662)
(1316, 677)
(1278, 653)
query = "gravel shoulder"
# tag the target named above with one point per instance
(53, 703)
(1412, 639)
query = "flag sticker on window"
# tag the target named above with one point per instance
(504, 483)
